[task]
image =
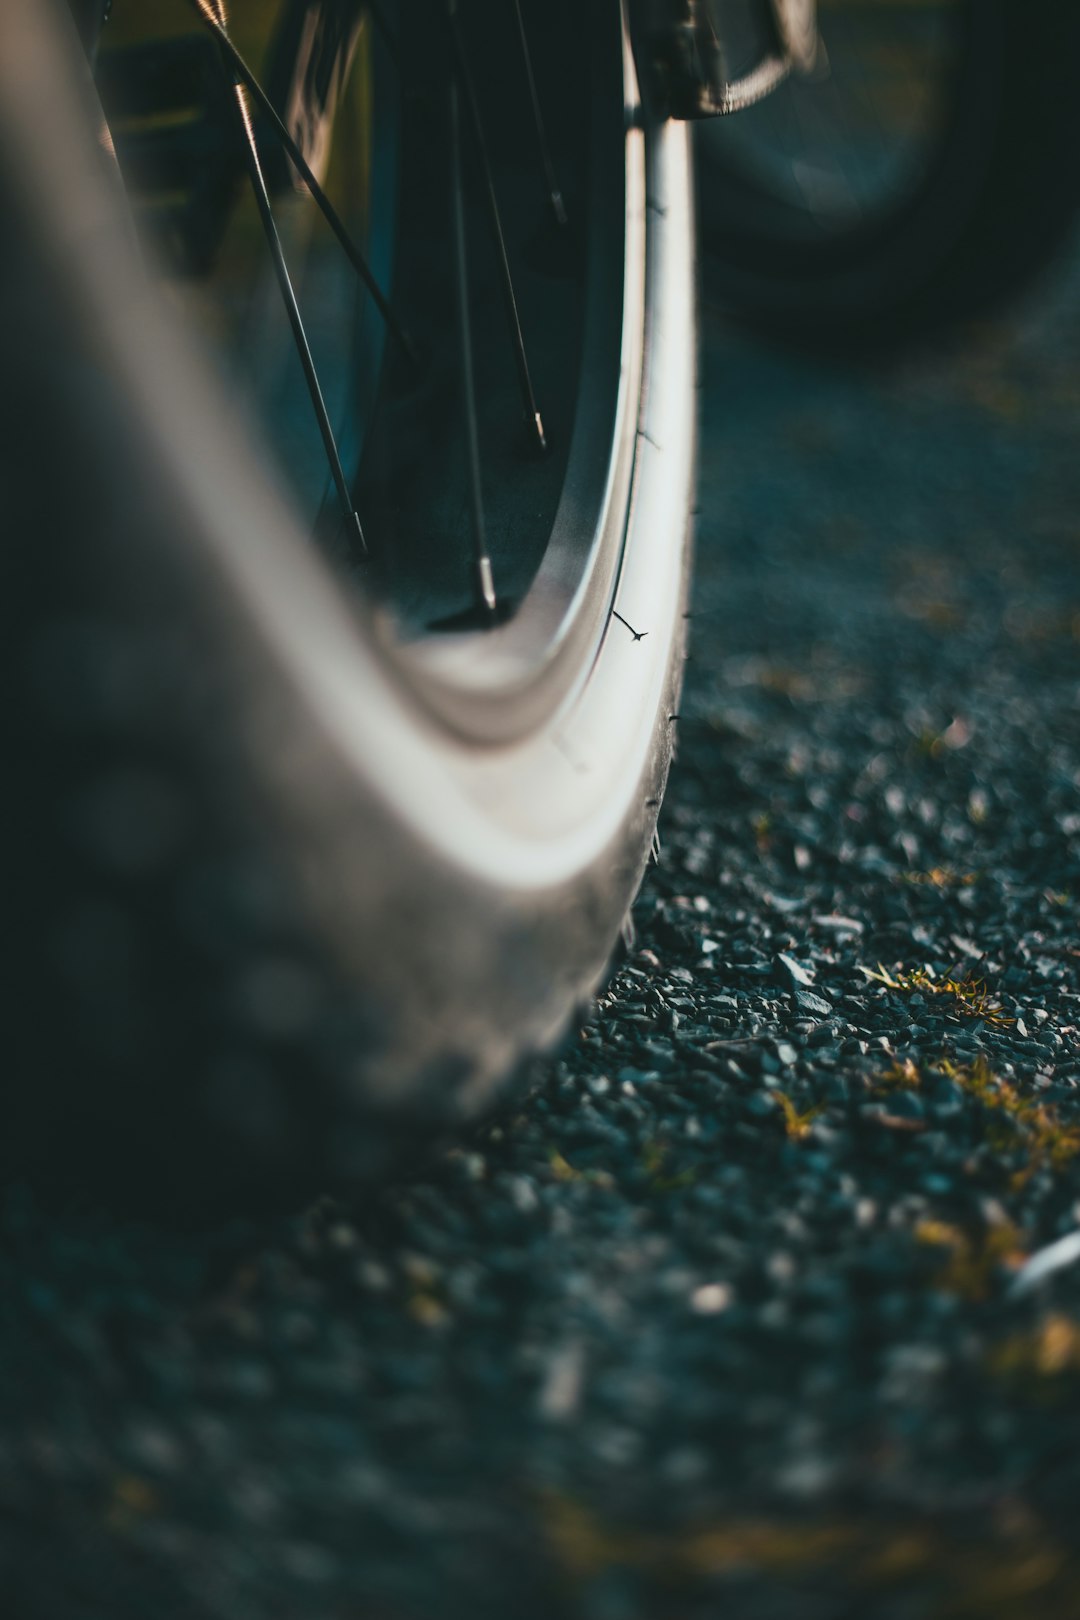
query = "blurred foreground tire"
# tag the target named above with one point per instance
(282, 898)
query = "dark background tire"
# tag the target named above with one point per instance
(996, 197)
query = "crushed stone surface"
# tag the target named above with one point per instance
(754, 1306)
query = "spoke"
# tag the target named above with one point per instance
(217, 27)
(555, 196)
(216, 10)
(463, 78)
(482, 575)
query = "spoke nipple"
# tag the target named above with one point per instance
(486, 581)
(541, 437)
(558, 208)
(359, 532)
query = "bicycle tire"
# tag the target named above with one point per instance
(288, 904)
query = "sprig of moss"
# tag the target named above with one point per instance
(1018, 1122)
(900, 1076)
(1001, 1576)
(762, 826)
(971, 997)
(796, 1125)
(654, 1157)
(1026, 1121)
(972, 1259)
(940, 877)
(563, 1170)
(1049, 1353)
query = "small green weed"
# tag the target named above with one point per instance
(970, 997)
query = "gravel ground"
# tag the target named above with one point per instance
(744, 1311)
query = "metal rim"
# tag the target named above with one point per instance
(488, 683)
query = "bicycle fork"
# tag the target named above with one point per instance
(707, 58)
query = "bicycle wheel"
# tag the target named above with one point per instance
(921, 175)
(311, 852)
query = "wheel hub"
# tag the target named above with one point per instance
(706, 58)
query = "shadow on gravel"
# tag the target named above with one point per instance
(739, 1312)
